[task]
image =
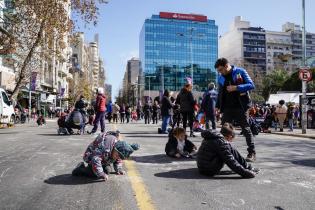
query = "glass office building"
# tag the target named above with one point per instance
(176, 46)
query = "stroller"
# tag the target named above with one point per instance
(62, 127)
(74, 121)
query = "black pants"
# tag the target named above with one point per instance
(155, 117)
(190, 117)
(127, 117)
(239, 116)
(239, 158)
(147, 118)
(122, 117)
(176, 120)
(109, 116)
(115, 118)
(214, 168)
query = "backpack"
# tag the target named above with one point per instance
(254, 126)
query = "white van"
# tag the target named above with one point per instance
(7, 114)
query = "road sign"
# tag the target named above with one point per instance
(305, 74)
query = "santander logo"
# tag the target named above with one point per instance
(201, 18)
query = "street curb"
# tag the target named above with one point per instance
(284, 134)
(294, 135)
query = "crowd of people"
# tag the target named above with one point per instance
(231, 101)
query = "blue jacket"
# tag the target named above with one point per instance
(243, 88)
(209, 102)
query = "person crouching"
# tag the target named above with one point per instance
(216, 150)
(178, 145)
(105, 150)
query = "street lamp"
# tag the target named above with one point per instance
(191, 36)
(303, 122)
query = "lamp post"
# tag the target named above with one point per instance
(191, 36)
(304, 111)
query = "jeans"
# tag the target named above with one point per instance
(212, 119)
(165, 122)
(291, 124)
(238, 115)
(100, 118)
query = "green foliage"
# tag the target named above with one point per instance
(273, 82)
(257, 98)
(295, 84)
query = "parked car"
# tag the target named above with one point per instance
(7, 114)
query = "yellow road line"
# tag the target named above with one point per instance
(143, 197)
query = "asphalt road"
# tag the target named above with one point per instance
(36, 163)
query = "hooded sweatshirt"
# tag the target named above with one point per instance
(99, 153)
(214, 152)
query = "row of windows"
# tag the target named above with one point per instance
(278, 48)
(254, 55)
(254, 49)
(254, 36)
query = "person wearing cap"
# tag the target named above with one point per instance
(105, 150)
(216, 150)
(208, 105)
(100, 108)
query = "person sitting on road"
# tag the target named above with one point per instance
(178, 145)
(216, 150)
(105, 150)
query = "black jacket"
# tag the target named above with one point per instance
(166, 106)
(186, 101)
(214, 152)
(80, 104)
(171, 146)
(147, 109)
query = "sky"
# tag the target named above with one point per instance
(120, 22)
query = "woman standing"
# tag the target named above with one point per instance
(186, 101)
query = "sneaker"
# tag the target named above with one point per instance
(90, 132)
(251, 157)
(192, 135)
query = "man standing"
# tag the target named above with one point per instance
(234, 101)
(208, 105)
(100, 108)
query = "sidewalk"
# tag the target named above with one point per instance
(310, 133)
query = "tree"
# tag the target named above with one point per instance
(39, 29)
(294, 83)
(80, 86)
(273, 82)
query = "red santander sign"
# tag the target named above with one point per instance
(169, 15)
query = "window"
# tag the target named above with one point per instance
(5, 99)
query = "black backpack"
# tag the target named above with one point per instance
(254, 126)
